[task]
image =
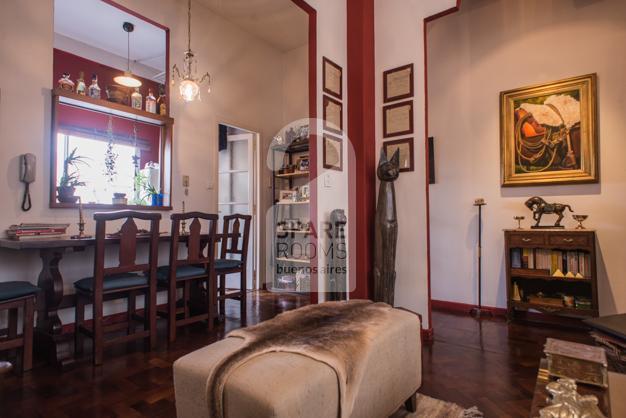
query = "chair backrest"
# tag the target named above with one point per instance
(200, 247)
(235, 236)
(127, 242)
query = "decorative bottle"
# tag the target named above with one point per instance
(151, 105)
(136, 99)
(81, 87)
(162, 105)
(94, 89)
(65, 83)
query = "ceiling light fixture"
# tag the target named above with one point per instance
(189, 86)
(128, 80)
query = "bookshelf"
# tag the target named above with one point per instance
(552, 271)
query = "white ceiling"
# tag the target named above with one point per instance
(280, 23)
(98, 24)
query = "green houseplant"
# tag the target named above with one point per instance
(70, 178)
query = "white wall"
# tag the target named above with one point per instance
(295, 84)
(246, 73)
(399, 41)
(491, 46)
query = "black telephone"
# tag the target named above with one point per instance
(27, 175)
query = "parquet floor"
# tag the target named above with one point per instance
(489, 364)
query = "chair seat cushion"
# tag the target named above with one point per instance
(15, 290)
(182, 272)
(227, 264)
(113, 282)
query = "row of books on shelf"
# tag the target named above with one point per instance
(571, 264)
(28, 231)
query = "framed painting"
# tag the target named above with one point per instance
(398, 83)
(333, 153)
(405, 147)
(548, 133)
(333, 115)
(398, 119)
(332, 78)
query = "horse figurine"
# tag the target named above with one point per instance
(540, 207)
(386, 229)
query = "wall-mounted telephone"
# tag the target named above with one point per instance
(27, 175)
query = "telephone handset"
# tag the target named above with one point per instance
(27, 175)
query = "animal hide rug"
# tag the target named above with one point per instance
(338, 334)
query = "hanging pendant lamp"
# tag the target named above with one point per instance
(189, 86)
(127, 79)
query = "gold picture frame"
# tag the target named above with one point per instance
(548, 133)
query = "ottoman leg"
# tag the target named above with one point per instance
(411, 403)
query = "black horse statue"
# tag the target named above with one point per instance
(540, 207)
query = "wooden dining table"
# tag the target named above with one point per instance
(50, 339)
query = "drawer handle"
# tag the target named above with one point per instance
(568, 240)
(526, 239)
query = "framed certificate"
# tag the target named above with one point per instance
(398, 83)
(398, 119)
(332, 78)
(405, 148)
(333, 153)
(333, 115)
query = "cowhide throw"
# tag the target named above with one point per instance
(336, 333)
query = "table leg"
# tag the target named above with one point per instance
(50, 341)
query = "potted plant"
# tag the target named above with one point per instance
(70, 180)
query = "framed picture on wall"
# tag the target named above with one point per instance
(332, 75)
(333, 153)
(548, 133)
(333, 115)
(398, 83)
(398, 119)
(405, 147)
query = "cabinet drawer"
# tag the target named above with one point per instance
(570, 240)
(525, 240)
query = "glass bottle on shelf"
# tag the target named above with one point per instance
(81, 87)
(151, 102)
(94, 89)
(136, 99)
(65, 83)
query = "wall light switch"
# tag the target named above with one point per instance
(328, 181)
(185, 181)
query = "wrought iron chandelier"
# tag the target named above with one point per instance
(189, 86)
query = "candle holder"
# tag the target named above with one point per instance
(580, 219)
(478, 311)
(519, 220)
(81, 223)
(183, 223)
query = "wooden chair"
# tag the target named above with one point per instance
(13, 296)
(233, 235)
(125, 281)
(195, 266)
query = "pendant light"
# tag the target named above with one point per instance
(127, 80)
(189, 86)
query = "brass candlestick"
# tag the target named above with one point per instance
(519, 220)
(580, 219)
(183, 223)
(81, 222)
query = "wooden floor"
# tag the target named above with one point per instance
(488, 363)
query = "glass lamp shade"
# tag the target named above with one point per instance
(189, 90)
(127, 80)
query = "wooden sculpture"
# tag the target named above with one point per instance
(386, 229)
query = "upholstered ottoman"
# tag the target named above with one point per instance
(282, 384)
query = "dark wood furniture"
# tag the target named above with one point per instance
(537, 243)
(196, 266)
(124, 281)
(541, 396)
(51, 341)
(13, 297)
(233, 259)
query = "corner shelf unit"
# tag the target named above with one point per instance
(532, 280)
(290, 272)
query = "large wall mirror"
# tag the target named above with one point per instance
(111, 136)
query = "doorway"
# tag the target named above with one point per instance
(238, 190)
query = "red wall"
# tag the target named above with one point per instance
(64, 62)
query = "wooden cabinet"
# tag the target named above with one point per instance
(551, 271)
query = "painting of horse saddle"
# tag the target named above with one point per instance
(548, 133)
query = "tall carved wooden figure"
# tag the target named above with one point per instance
(386, 233)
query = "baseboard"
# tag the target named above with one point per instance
(464, 308)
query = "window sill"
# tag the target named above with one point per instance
(105, 206)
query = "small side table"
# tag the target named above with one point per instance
(540, 397)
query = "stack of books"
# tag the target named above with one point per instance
(29, 231)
